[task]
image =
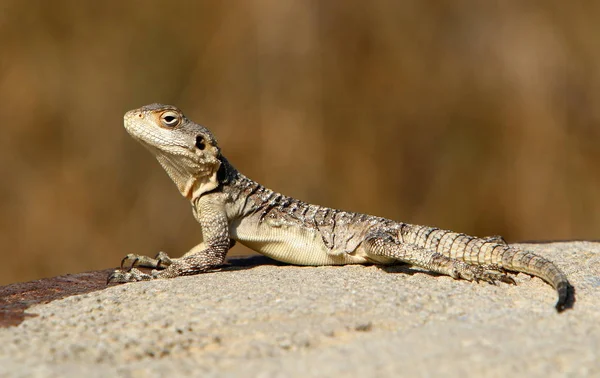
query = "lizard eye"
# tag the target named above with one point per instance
(200, 142)
(170, 119)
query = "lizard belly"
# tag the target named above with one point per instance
(292, 244)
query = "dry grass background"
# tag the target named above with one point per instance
(481, 117)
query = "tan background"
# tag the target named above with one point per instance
(481, 117)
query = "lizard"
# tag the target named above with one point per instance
(231, 207)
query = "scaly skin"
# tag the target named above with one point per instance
(231, 207)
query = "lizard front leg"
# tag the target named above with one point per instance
(208, 255)
(161, 260)
(380, 243)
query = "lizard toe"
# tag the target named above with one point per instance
(130, 257)
(162, 260)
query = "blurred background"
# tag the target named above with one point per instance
(481, 117)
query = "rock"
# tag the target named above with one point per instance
(257, 317)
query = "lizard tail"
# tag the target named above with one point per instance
(482, 251)
(527, 262)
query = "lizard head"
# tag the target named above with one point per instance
(186, 150)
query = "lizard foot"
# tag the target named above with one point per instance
(489, 274)
(503, 273)
(131, 275)
(160, 261)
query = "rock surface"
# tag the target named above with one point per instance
(258, 318)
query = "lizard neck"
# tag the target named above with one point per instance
(227, 174)
(240, 190)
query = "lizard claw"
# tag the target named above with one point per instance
(134, 263)
(508, 279)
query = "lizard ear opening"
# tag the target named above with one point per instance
(200, 142)
(205, 179)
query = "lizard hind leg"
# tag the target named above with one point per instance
(379, 243)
